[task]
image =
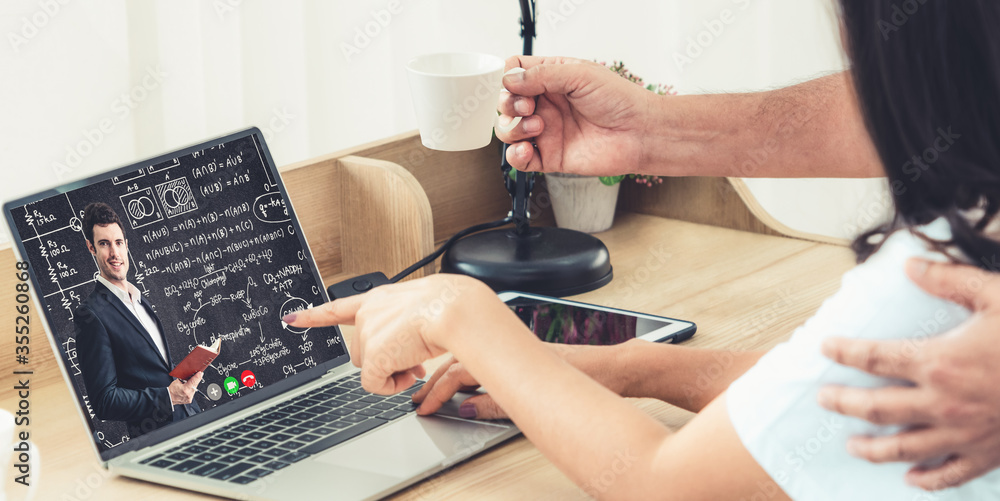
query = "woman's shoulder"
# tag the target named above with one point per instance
(876, 300)
(925, 241)
(773, 405)
(879, 288)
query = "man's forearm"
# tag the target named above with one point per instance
(813, 129)
(689, 378)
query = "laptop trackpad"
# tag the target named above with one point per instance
(412, 445)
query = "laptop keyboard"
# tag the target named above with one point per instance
(286, 433)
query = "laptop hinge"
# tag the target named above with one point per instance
(339, 371)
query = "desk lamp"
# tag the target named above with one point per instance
(550, 261)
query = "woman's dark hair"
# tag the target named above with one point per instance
(99, 213)
(927, 75)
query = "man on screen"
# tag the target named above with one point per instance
(120, 343)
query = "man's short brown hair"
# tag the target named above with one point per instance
(99, 213)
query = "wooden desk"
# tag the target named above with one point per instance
(744, 290)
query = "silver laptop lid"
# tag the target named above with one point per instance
(215, 249)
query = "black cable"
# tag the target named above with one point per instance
(447, 245)
(527, 24)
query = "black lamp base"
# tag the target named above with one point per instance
(549, 261)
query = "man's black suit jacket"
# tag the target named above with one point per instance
(125, 375)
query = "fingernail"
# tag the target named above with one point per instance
(853, 449)
(531, 124)
(829, 347)
(523, 149)
(825, 397)
(514, 75)
(289, 318)
(916, 267)
(521, 106)
(467, 410)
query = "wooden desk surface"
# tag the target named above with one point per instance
(744, 290)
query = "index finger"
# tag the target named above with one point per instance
(879, 358)
(454, 379)
(338, 312)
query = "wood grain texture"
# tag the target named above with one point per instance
(744, 290)
(314, 194)
(703, 200)
(463, 188)
(385, 217)
(40, 354)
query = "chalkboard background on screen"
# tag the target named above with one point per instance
(212, 246)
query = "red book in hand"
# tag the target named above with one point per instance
(198, 360)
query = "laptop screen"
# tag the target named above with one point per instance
(184, 250)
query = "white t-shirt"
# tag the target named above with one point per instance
(773, 406)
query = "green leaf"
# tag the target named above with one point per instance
(611, 180)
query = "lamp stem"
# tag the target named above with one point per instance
(543, 260)
(527, 24)
(519, 186)
(522, 184)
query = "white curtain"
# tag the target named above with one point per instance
(88, 86)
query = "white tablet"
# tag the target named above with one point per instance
(563, 321)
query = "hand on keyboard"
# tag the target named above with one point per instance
(449, 379)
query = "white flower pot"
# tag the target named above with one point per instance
(582, 203)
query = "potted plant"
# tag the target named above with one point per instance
(588, 203)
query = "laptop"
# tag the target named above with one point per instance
(213, 247)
